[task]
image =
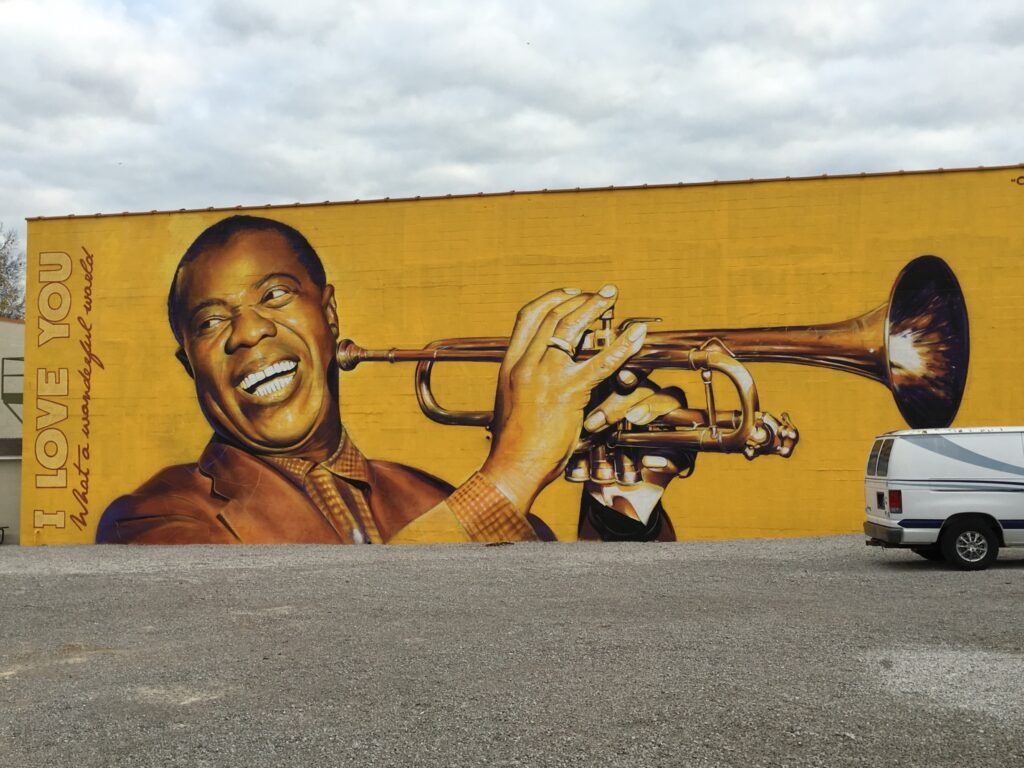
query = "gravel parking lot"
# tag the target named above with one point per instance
(801, 652)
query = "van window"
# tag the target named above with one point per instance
(883, 458)
(873, 458)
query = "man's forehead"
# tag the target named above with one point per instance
(242, 262)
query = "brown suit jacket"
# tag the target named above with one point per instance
(230, 497)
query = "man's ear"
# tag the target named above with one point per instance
(330, 306)
(183, 359)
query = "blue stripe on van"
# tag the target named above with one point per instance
(921, 523)
(1007, 524)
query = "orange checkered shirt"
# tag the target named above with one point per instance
(338, 487)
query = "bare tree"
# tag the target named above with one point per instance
(12, 275)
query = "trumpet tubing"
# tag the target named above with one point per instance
(916, 344)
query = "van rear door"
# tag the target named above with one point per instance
(875, 484)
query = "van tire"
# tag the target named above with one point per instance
(970, 544)
(932, 552)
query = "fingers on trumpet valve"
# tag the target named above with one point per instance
(655, 461)
(653, 407)
(629, 379)
(564, 321)
(534, 315)
(641, 406)
(573, 321)
(624, 466)
(664, 464)
(611, 358)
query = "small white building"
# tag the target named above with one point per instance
(12, 353)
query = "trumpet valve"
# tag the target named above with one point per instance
(603, 336)
(578, 468)
(629, 321)
(626, 470)
(602, 469)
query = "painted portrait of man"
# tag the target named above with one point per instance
(257, 327)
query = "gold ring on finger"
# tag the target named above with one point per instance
(561, 344)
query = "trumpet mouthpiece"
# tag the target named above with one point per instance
(348, 355)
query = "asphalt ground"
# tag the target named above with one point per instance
(801, 652)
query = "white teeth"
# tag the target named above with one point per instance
(271, 387)
(257, 376)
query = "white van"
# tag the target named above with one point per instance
(947, 494)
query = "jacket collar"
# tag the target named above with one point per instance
(234, 473)
(237, 474)
(347, 462)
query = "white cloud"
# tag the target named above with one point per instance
(154, 104)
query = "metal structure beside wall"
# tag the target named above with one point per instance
(12, 385)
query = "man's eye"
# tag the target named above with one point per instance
(277, 296)
(208, 323)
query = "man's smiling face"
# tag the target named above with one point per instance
(257, 334)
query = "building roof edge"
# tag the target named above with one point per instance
(559, 191)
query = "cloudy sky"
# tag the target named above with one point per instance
(154, 104)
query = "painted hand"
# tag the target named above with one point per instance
(639, 401)
(542, 391)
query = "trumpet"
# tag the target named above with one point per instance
(916, 344)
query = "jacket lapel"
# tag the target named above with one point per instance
(262, 506)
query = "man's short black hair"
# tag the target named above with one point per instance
(217, 236)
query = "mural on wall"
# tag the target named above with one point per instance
(917, 344)
(598, 425)
(258, 329)
(257, 324)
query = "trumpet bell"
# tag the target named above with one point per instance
(927, 343)
(917, 344)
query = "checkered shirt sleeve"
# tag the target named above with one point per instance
(487, 514)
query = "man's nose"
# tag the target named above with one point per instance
(247, 329)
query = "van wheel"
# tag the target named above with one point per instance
(970, 545)
(932, 552)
